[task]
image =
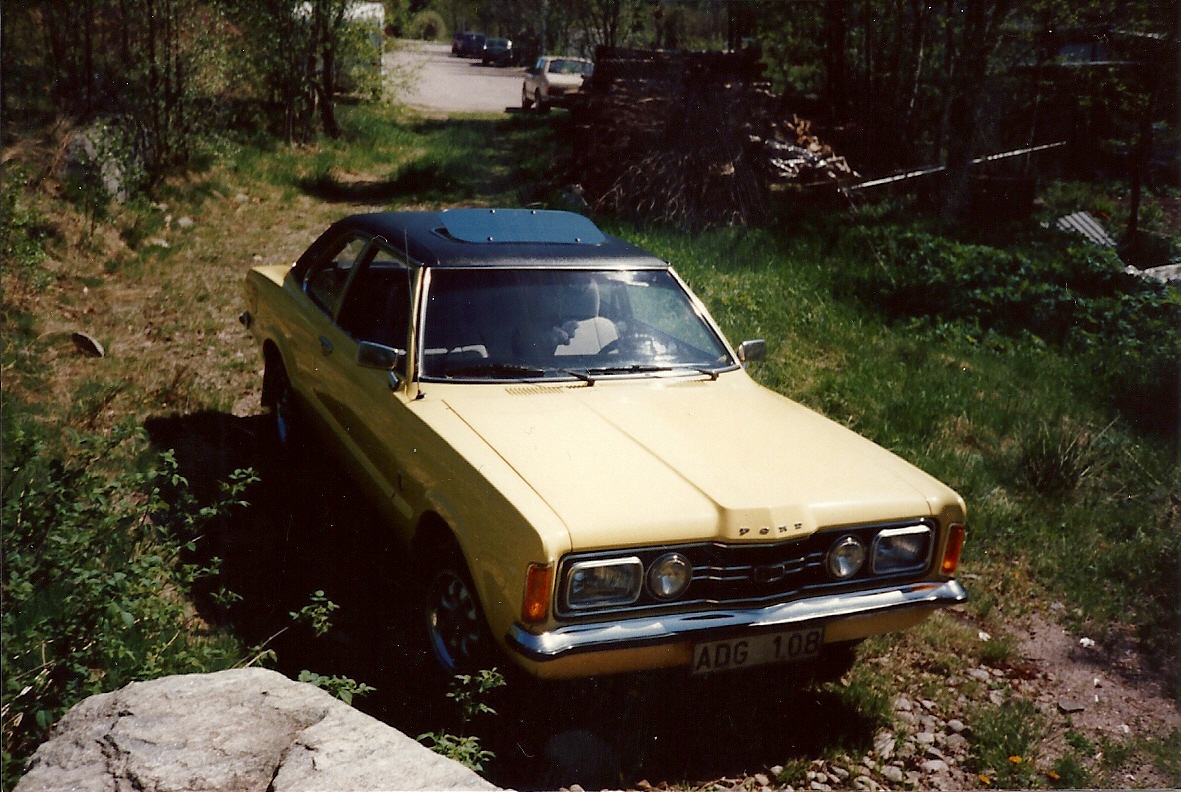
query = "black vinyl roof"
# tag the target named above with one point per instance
(497, 238)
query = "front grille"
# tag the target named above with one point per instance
(744, 575)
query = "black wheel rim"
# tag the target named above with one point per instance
(453, 621)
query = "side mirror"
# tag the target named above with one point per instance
(379, 356)
(752, 350)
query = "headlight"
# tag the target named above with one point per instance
(901, 549)
(845, 557)
(614, 581)
(669, 576)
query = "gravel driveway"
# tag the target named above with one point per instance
(428, 77)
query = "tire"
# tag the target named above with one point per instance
(457, 634)
(284, 404)
(526, 102)
(542, 107)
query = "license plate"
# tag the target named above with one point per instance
(757, 650)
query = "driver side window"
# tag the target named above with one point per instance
(326, 280)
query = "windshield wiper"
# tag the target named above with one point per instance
(634, 368)
(495, 371)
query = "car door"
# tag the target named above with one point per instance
(312, 337)
(367, 405)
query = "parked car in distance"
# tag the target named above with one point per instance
(497, 52)
(583, 474)
(552, 81)
(468, 45)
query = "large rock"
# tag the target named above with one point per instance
(237, 731)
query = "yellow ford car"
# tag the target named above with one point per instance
(586, 477)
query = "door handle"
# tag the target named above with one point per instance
(325, 345)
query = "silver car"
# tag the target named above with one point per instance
(552, 80)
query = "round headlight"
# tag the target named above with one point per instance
(669, 576)
(845, 557)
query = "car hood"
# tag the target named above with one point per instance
(688, 459)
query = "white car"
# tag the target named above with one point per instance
(552, 81)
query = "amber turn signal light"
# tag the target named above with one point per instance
(539, 582)
(951, 553)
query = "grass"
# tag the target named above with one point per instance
(1064, 488)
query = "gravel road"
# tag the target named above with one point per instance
(431, 79)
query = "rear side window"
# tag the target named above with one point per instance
(326, 278)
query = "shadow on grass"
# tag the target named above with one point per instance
(307, 529)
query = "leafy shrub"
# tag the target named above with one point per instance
(426, 25)
(1075, 298)
(469, 692)
(95, 576)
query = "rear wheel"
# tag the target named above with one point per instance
(283, 402)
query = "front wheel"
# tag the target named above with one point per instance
(456, 632)
(526, 102)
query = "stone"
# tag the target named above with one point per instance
(956, 742)
(925, 738)
(902, 703)
(980, 674)
(934, 766)
(893, 774)
(956, 725)
(1069, 706)
(233, 731)
(883, 744)
(840, 772)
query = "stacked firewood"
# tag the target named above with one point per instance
(692, 139)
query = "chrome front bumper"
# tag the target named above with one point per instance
(648, 631)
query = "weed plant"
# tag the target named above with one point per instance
(95, 576)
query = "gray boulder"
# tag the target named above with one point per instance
(232, 731)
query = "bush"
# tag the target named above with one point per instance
(1075, 298)
(427, 26)
(95, 578)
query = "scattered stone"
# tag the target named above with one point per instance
(906, 717)
(87, 345)
(761, 779)
(242, 198)
(883, 744)
(821, 787)
(840, 772)
(866, 783)
(996, 697)
(925, 738)
(957, 742)
(902, 704)
(927, 704)
(186, 222)
(1070, 706)
(893, 774)
(934, 766)
(956, 725)
(980, 674)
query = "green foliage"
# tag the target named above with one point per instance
(317, 613)
(426, 25)
(1074, 298)
(342, 687)
(95, 576)
(469, 691)
(23, 232)
(1002, 738)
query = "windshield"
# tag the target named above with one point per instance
(534, 323)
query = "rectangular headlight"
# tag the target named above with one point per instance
(905, 549)
(613, 581)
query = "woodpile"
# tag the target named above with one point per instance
(692, 139)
